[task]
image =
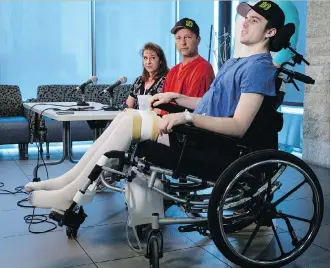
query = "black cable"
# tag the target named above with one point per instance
(40, 150)
(18, 190)
(35, 218)
(30, 218)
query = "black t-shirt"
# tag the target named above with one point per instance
(138, 88)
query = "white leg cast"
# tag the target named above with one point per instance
(128, 129)
(68, 177)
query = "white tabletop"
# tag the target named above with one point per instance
(97, 114)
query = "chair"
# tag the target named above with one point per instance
(13, 124)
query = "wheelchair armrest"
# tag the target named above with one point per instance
(203, 135)
(172, 108)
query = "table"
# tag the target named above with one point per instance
(97, 119)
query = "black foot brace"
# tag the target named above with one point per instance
(70, 218)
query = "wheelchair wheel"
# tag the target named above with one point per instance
(283, 223)
(154, 252)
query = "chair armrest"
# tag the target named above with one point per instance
(172, 108)
(205, 136)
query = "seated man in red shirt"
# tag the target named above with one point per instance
(193, 76)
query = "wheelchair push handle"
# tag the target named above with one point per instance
(297, 76)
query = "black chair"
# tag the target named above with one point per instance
(13, 124)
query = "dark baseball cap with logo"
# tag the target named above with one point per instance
(187, 24)
(267, 9)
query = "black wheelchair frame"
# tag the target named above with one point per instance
(244, 197)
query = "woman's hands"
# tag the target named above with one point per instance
(168, 121)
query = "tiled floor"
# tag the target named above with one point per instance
(101, 241)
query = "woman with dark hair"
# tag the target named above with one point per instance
(151, 81)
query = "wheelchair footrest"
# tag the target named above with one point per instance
(202, 228)
(70, 218)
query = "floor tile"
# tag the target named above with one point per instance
(13, 223)
(192, 257)
(104, 243)
(321, 173)
(268, 249)
(203, 240)
(108, 242)
(12, 176)
(9, 202)
(49, 250)
(301, 208)
(258, 244)
(322, 238)
(102, 236)
(327, 201)
(313, 257)
(107, 211)
(86, 266)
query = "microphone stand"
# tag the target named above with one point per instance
(110, 106)
(82, 102)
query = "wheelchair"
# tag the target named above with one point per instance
(238, 192)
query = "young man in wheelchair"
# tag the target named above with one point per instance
(239, 111)
(240, 103)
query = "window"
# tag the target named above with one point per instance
(203, 14)
(44, 43)
(122, 28)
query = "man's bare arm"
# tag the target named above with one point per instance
(181, 100)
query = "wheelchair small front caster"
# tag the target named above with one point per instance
(154, 250)
(71, 233)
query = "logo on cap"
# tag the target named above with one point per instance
(189, 23)
(265, 5)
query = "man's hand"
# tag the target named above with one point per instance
(160, 98)
(168, 121)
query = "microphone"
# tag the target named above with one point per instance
(297, 76)
(110, 88)
(81, 88)
(93, 79)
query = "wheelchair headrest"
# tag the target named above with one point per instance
(282, 37)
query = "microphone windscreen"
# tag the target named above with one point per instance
(123, 79)
(282, 38)
(94, 79)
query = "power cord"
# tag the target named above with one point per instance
(35, 218)
(30, 218)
